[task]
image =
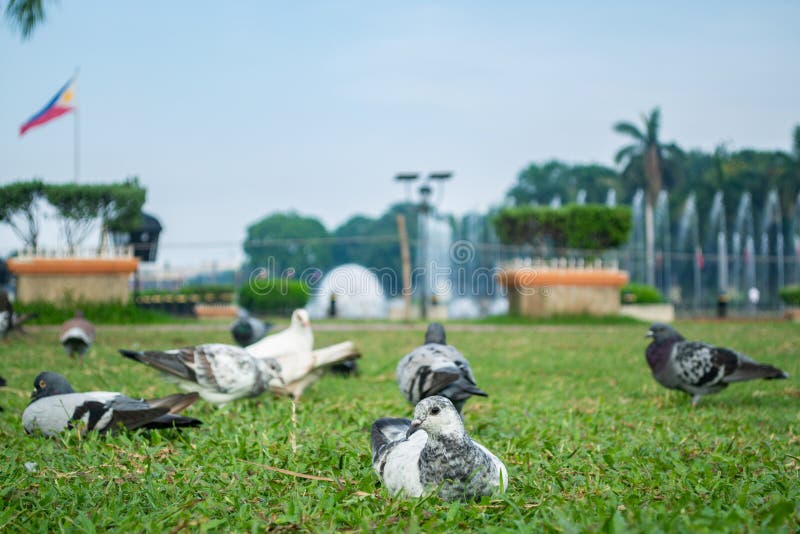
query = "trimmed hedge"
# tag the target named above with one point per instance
(790, 295)
(588, 227)
(216, 293)
(640, 294)
(273, 296)
(98, 313)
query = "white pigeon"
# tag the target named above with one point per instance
(77, 335)
(297, 338)
(433, 453)
(56, 407)
(219, 373)
(436, 368)
(301, 369)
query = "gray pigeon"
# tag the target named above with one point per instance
(434, 453)
(247, 329)
(219, 373)
(699, 368)
(436, 368)
(77, 335)
(2, 384)
(56, 407)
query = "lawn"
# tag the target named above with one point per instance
(591, 442)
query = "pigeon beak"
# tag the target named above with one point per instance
(413, 428)
(276, 381)
(649, 334)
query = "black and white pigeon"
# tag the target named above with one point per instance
(434, 453)
(77, 335)
(56, 407)
(699, 368)
(247, 329)
(437, 368)
(9, 319)
(219, 373)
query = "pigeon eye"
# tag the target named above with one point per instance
(435, 410)
(42, 383)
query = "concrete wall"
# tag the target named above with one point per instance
(564, 300)
(88, 287)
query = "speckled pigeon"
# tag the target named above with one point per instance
(433, 452)
(699, 368)
(77, 335)
(436, 368)
(9, 319)
(247, 329)
(219, 373)
(56, 407)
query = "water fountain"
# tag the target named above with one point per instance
(555, 202)
(636, 262)
(743, 247)
(580, 198)
(663, 244)
(717, 241)
(611, 197)
(435, 263)
(772, 222)
(794, 232)
(689, 245)
(349, 291)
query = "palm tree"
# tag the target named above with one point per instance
(647, 155)
(26, 15)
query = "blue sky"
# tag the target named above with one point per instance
(229, 111)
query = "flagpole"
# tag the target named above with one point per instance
(77, 155)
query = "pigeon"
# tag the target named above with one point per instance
(77, 335)
(436, 368)
(219, 373)
(301, 369)
(56, 407)
(9, 319)
(348, 368)
(246, 330)
(699, 368)
(297, 338)
(434, 453)
(2, 384)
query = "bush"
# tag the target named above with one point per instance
(790, 295)
(274, 295)
(640, 294)
(96, 312)
(589, 227)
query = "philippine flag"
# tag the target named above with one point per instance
(58, 105)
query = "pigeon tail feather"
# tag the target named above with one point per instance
(346, 350)
(749, 370)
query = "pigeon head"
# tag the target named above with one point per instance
(271, 369)
(662, 332)
(435, 334)
(300, 319)
(47, 383)
(436, 415)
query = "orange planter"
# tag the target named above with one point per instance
(542, 292)
(81, 279)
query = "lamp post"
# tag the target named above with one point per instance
(424, 209)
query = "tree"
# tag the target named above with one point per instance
(19, 208)
(646, 158)
(78, 206)
(26, 15)
(283, 241)
(541, 183)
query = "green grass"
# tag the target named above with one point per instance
(590, 441)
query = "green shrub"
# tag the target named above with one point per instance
(96, 312)
(790, 295)
(589, 227)
(273, 295)
(640, 294)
